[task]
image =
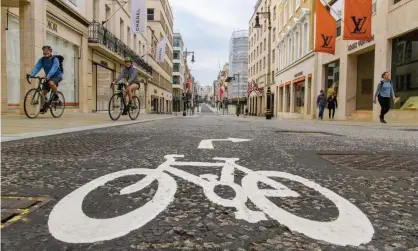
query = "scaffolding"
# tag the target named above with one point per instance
(238, 64)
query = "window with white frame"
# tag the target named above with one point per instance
(285, 56)
(297, 45)
(305, 39)
(290, 8)
(274, 13)
(280, 21)
(290, 51)
(279, 56)
(297, 4)
(273, 58)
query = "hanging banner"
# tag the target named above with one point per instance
(161, 50)
(138, 15)
(326, 29)
(358, 20)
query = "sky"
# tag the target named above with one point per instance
(206, 27)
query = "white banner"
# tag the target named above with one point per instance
(161, 50)
(138, 15)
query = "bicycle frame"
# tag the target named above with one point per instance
(39, 88)
(121, 88)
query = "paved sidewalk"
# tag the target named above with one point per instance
(15, 127)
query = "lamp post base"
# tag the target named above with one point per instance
(184, 113)
(268, 115)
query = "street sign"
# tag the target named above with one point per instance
(207, 143)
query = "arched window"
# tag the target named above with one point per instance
(290, 51)
(297, 45)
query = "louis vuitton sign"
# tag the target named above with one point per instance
(52, 26)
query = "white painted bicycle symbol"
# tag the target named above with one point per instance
(68, 223)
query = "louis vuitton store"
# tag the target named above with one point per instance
(25, 28)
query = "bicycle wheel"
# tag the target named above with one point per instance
(135, 108)
(68, 222)
(32, 103)
(57, 107)
(352, 227)
(115, 106)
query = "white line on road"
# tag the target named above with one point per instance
(207, 143)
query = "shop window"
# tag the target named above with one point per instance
(404, 70)
(150, 14)
(70, 83)
(176, 67)
(176, 54)
(332, 77)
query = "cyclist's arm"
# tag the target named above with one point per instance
(37, 68)
(54, 68)
(119, 77)
(133, 76)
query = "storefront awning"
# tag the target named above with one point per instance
(301, 79)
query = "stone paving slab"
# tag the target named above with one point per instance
(15, 127)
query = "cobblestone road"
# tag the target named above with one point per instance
(329, 187)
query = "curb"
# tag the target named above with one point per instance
(29, 135)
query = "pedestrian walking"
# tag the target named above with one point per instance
(320, 102)
(331, 105)
(384, 93)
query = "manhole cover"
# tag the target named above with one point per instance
(15, 208)
(307, 133)
(382, 163)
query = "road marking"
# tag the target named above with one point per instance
(207, 143)
(68, 223)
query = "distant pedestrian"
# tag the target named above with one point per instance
(320, 102)
(332, 104)
(384, 93)
(246, 111)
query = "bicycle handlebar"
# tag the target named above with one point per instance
(38, 78)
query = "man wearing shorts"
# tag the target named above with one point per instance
(131, 75)
(53, 75)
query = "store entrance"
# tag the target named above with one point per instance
(365, 83)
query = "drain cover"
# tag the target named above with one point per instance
(307, 133)
(15, 208)
(382, 163)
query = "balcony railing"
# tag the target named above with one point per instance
(99, 34)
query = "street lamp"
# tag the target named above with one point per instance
(239, 92)
(190, 52)
(257, 25)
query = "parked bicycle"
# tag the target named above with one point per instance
(118, 105)
(33, 101)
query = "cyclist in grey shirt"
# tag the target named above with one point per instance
(131, 75)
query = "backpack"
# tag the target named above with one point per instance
(60, 60)
(381, 85)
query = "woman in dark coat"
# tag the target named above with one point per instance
(332, 104)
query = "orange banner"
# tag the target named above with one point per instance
(358, 20)
(326, 29)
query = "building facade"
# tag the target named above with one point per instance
(160, 24)
(258, 55)
(356, 68)
(295, 59)
(238, 69)
(94, 38)
(178, 71)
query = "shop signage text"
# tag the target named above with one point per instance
(359, 44)
(52, 26)
(298, 74)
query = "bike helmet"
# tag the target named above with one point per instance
(46, 47)
(128, 59)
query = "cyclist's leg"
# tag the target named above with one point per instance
(131, 88)
(44, 92)
(53, 84)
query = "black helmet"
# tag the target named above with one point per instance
(46, 47)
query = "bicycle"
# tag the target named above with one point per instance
(67, 221)
(55, 101)
(118, 102)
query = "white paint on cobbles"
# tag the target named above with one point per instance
(207, 143)
(67, 221)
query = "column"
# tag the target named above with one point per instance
(85, 78)
(292, 97)
(32, 37)
(3, 62)
(284, 98)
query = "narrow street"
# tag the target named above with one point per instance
(258, 185)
